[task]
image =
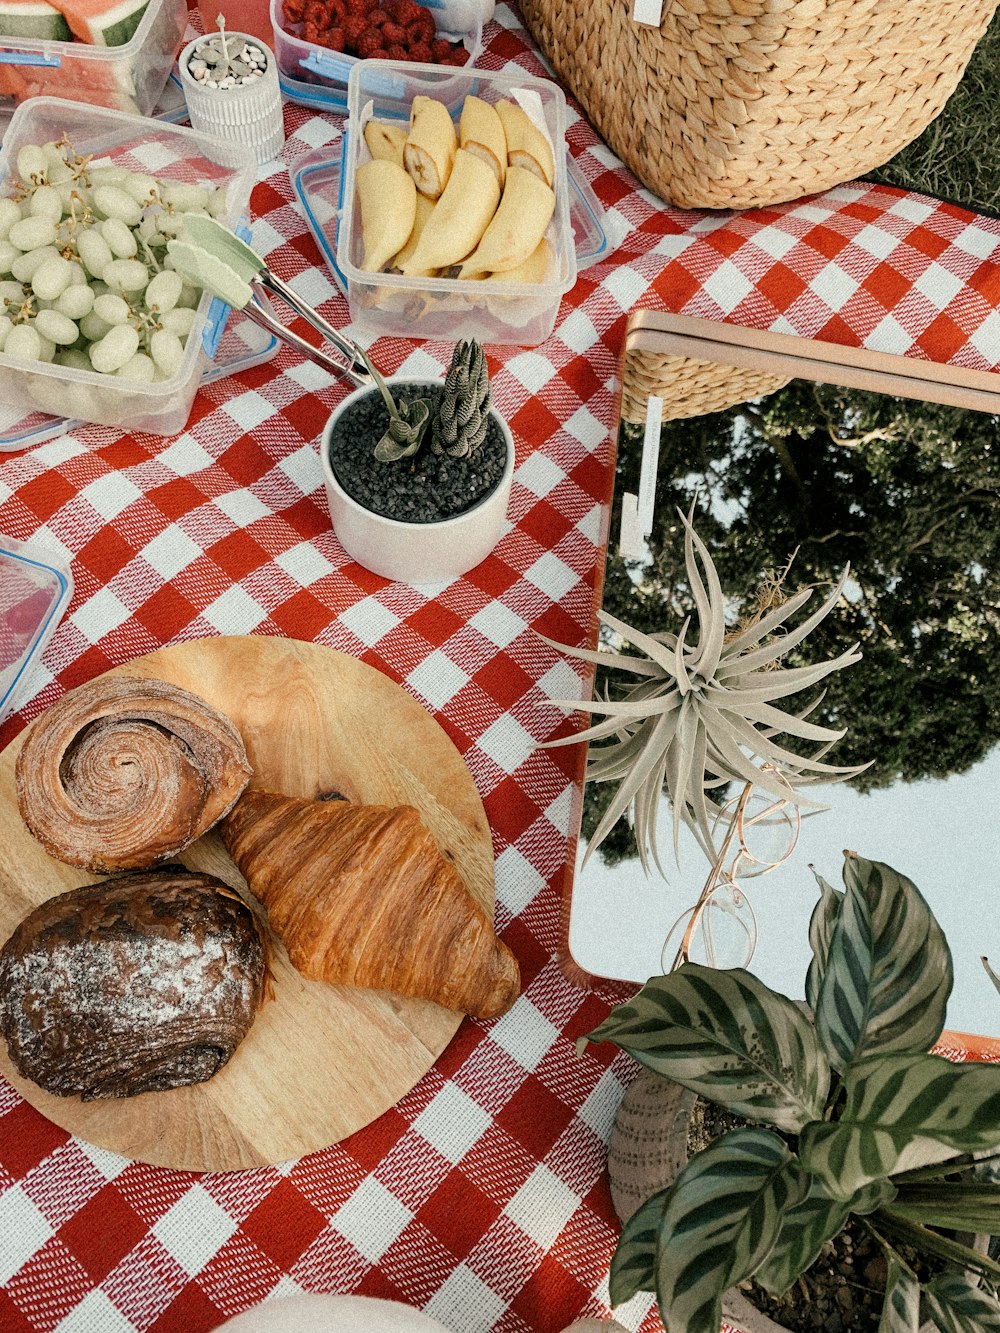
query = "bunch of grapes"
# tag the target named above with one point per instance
(395, 30)
(85, 278)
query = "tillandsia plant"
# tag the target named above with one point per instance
(852, 1117)
(463, 417)
(991, 974)
(702, 713)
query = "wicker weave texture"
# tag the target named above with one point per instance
(740, 103)
(689, 388)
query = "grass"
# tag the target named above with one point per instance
(958, 156)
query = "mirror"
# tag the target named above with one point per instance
(809, 479)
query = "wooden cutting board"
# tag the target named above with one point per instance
(320, 1061)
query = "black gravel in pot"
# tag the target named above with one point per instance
(423, 489)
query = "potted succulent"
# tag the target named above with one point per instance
(418, 474)
(844, 1121)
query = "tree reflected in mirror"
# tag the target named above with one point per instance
(907, 493)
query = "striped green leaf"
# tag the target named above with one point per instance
(633, 1264)
(811, 1222)
(903, 1111)
(888, 968)
(821, 927)
(722, 1218)
(956, 1304)
(727, 1037)
(956, 1205)
(901, 1307)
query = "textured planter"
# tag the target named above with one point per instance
(415, 552)
(648, 1147)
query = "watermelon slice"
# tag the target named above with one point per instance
(36, 19)
(103, 22)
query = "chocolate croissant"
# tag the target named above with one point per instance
(141, 983)
(123, 773)
(360, 895)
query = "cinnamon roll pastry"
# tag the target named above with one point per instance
(360, 895)
(123, 773)
(138, 984)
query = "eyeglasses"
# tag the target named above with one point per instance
(721, 928)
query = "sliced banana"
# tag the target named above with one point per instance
(481, 132)
(385, 141)
(429, 152)
(527, 146)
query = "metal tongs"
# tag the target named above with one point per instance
(216, 259)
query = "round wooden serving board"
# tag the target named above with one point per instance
(320, 1061)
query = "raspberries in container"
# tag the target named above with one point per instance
(394, 30)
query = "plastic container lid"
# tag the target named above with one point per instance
(35, 588)
(318, 181)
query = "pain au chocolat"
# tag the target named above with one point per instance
(360, 895)
(124, 773)
(145, 982)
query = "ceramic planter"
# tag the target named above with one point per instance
(648, 1147)
(332, 1314)
(415, 552)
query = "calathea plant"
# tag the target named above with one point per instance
(850, 1116)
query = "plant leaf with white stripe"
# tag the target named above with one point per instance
(901, 1308)
(821, 927)
(888, 968)
(957, 1305)
(721, 1220)
(633, 1264)
(729, 1038)
(806, 1226)
(903, 1111)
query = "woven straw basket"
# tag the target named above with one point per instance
(688, 387)
(739, 103)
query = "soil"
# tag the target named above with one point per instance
(843, 1289)
(426, 488)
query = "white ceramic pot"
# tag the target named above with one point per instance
(332, 1314)
(415, 552)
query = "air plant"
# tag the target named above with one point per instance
(702, 712)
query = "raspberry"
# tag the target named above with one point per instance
(421, 53)
(397, 51)
(458, 57)
(441, 48)
(294, 11)
(310, 33)
(378, 18)
(337, 10)
(333, 39)
(421, 29)
(316, 15)
(357, 8)
(370, 45)
(354, 25)
(405, 11)
(392, 33)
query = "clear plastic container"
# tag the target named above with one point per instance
(169, 152)
(449, 309)
(128, 78)
(35, 589)
(316, 77)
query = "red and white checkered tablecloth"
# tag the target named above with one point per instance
(481, 1196)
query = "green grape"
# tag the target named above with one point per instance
(120, 239)
(52, 278)
(32, 233)
(126, 276)
(23, 342)
(117, 347)
(164, 291)
(59, 329)
(112, 309)
(166, 350)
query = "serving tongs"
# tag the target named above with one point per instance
(213, 257)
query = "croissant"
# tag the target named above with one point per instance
(141, 983)
(124, 773)
(361, 896)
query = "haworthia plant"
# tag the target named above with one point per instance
(463, 414)
(701, 712)
(875, 1127)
